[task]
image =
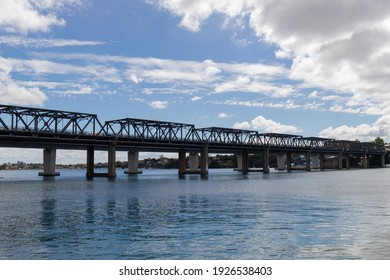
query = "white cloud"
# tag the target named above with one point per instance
(79, 90)
(15, 41)
(193, 13)
(288, 104)
(24, 16)
(363, 132)
(159, 104)
(223, 116)
(255, 85)
(266, 125)
(269, 125)
(56, 4)
(135, 79)
(241, 42)
(314, 95)
(242, 125)
(196, 98)
(39, 67)
(282, 54)
(172, 76)
(11, 93)
(342, 109)
(212, 70)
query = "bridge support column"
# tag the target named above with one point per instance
(266, 161)
(204, 161)
(383, 160)
(132, 163)
(182, 162)
(322, 161)
(90, 161)
(242, 162)
(315, 159)
(340, 161)
(346, 161)
(281, 158)
(111, 161)
(364, 161)
(288, 161)
(308, 161)
(49, 163)
(193, 161)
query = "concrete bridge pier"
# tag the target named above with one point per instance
(132, 162)
(322, 161)
(376, 160)
(242, 162)
(364, 161)
(288, 161)
(347, 164)
(340, 161)
(90, 162)
(196, 165)
(111, 161)
(204, 161)
(308, 161)
(49, 163)
(193, 161)
(182, 162)
(281, 158)
(315, 161)
(266, 161)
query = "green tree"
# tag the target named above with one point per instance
(379, 141)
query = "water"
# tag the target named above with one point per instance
(298, 215)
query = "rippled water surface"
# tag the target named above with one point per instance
(298, 215)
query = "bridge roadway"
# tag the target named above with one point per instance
(25, 127)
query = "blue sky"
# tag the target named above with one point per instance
(315, 68)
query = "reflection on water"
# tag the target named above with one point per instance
(317, 215)
(89, 210)
(48, 215)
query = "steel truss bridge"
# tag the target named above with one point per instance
(26, 127)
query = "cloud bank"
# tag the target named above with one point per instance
(92, 73)
(342, 47)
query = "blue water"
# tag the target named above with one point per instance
(298, 215)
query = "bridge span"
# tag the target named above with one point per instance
(26, 127)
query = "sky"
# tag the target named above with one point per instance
(307, 67)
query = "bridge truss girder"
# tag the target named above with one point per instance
(35, 120)
(230, 136)
(150, 130)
